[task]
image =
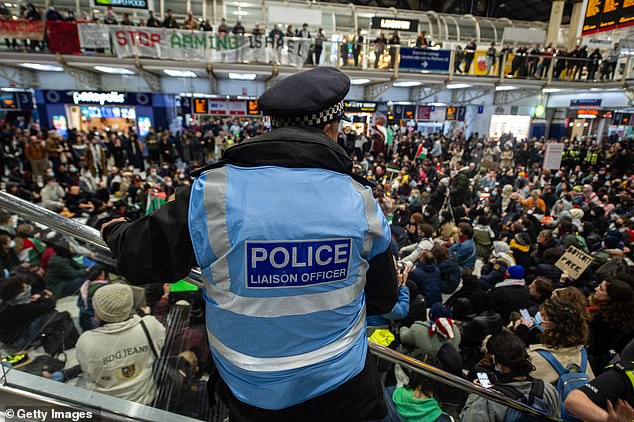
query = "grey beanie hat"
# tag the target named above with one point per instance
(113, 303)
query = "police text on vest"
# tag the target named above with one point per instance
(286, 263)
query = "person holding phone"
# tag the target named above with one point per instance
(513, 366)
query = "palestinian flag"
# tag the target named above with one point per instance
(155, 200)
(421, 153)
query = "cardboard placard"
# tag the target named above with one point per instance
(553, 155)
(574, 262)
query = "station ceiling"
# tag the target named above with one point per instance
(532, 10)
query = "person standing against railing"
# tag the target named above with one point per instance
(52, 14)
(395, 40)
(276, 36)
(152, 21)
(343, 51)
(111, 17)
(421, 41)
(458, 59)
(303, 48)
(469, 55)
(533, 61)
(593, 64)
(126, 20)
(170, 21)
(613, 58)
(32, 15)
(547, 61)
(572, 63)
(357, 46)
(190, 23)
(507, 50)
(560, 62)
(490, 60)
(319, 45)
(581, 62)
(379, 47)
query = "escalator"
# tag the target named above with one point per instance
(20, 389)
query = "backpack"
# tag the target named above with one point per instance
(59, 333)
(535, 399)
(568, 381)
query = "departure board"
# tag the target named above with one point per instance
(606, 15)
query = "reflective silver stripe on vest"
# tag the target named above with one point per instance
(251, 363)
(215, 199)
(272, 307)
(374, 224)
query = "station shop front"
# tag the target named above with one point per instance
(99, 111)
(362, 114)
(202, 109)
(16, 107)
(426, 119)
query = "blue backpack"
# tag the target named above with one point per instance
(535, 399)
(568, 381)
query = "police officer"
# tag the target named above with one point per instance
(294, 251)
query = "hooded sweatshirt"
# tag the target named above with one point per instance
(413, 409)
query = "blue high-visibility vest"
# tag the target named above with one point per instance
(284, 253)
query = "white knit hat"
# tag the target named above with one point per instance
(113, 303)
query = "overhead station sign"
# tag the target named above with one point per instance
(606, 15)
(394, 24)
(425, 59)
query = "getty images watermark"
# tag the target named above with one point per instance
(49, 414)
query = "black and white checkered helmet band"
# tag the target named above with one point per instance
(324, 116)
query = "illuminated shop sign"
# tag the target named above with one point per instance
(587, 113)
(112, 97)
(359, 107)
(395, 24)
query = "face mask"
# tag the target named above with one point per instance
(539, 321)
(12, 244)
(22, 298)
(494, 193)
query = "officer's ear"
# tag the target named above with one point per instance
(331, 129)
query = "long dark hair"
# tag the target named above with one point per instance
(510, 351)
(618, 310)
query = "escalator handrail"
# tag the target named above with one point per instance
(92, 237)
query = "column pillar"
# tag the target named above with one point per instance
(556, 13)
(576, 23)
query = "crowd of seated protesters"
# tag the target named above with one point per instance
(478, 250)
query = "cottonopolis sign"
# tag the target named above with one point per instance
(90, 97)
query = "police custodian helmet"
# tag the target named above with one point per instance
(310, 98)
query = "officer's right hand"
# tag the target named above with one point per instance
(115, 220)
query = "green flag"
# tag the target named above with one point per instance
(389, 136)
